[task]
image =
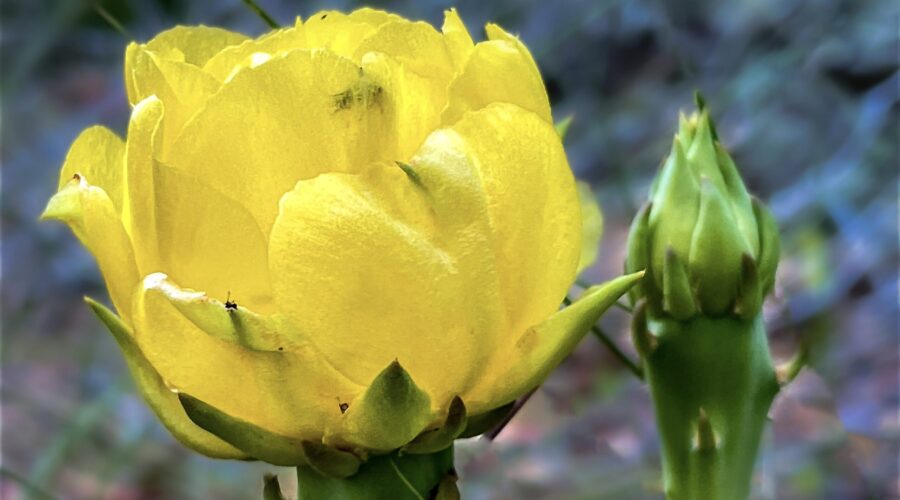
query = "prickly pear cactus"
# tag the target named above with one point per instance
(710, 252)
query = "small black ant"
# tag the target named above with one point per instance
(229, 305)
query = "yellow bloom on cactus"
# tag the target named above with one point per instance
(336, 236)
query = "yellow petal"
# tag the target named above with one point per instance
(498, 70)
(208, 241)
(411, 104)
(533, 208)
(394, 266)
(182, 88)
(159, 397)
(591, 226)
(373, 17)
(418, 46)
(311, 112)
(456, 36)
(294, 393)
(224, 65)
(529, 358)
(338, 32)
(235, 323)
(457, 218)
(91, 215)
(97, 154)
(193, 45)
(138, 208)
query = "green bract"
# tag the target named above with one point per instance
(707, 245)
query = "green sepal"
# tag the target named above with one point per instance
(411, 173)
(716, 249)
(158, 396)
(434, 440)
(700, 101)
(644, 341)
(678, 297)
(112, 323)
(477, 425)
(701, 152)
(390, 413)
(271, 488)
(749, 297)
(447, 489)
(252, 439)
(739, 198)
(675, 210)
(685, 128)
(562, 127)
(330, 461)
(769, 246)
(383, 477)
(638, 251)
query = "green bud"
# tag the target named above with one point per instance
(707, 246)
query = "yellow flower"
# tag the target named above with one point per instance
(333, 233)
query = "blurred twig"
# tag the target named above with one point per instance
(617, 352)
(32, 491)
(112, 21)
(252, 5)
(80, 427)
(493, 433)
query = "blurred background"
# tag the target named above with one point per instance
(806, 97)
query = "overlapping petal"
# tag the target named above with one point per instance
(498, 70)
(139, 202)
(208, 241)
(193, 45)
(93, 217)
(527, 184)
(159, 396)
(291, 392)
(386, 208)
(311, 112)
(346, 248)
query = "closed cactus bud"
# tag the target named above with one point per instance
(707, 245)
(710, 252)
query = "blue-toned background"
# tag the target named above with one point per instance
(806, 98)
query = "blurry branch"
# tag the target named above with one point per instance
(493, 433)
(252, 5)
(31, 491)
(112, 21)
(618, 353)
(85, 421)
(54, 23)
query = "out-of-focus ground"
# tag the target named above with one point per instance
(806, 98)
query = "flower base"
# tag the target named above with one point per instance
(388, 477)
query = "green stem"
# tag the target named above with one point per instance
(712, 383)
(388, 477)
